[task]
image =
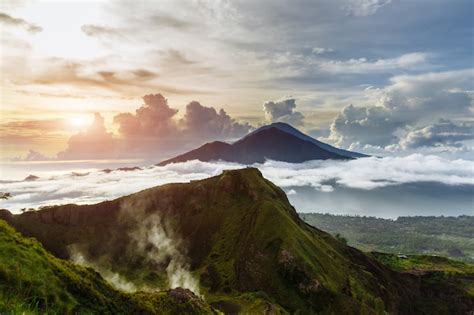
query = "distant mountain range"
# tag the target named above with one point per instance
(278, 141)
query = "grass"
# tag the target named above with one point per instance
(423, 263)
(32, 281)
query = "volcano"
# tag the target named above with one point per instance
(278, 141)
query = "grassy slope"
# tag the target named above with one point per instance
(246, 244)
(444, 277)
(32, 281)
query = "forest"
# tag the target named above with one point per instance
(447, 236)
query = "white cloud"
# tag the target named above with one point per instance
(321, 50)
(363, 65)
(364, 7)
(283, 111)
(326, 176)
(442, 133)
(409, 103)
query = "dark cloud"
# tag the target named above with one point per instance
(144, 74)
(173, 56)
(164, 20)
(17, 22)
(283, 111)
(59, 71)
(97, 31)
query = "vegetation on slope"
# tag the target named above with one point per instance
(441, 276)
(244, 242)
(452, 237)
(32, 281)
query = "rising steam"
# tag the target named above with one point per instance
(154, 241)
(158, 246)
(116, 280)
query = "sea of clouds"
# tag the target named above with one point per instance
(364, 174)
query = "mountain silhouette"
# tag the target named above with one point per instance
(278, 141)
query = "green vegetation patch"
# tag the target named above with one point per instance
(451, 237)
(32, 281)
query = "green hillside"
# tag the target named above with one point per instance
(452, 237)
(242, 242)
(32, 281)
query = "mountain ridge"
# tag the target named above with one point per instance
(290, 129)
(244, 242)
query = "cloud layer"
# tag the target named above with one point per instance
(362, 174)
(407, 110)
(153, 131)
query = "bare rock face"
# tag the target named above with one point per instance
(5, 215)
(182, 294)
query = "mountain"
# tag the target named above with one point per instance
(32, 281)
(278, 141)
(295, 132)
(237, 240)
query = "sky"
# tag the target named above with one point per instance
(107, 80)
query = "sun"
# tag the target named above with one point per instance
(78, 122)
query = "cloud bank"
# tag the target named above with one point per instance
(326, 176)
(406, 114)
(154, 131)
